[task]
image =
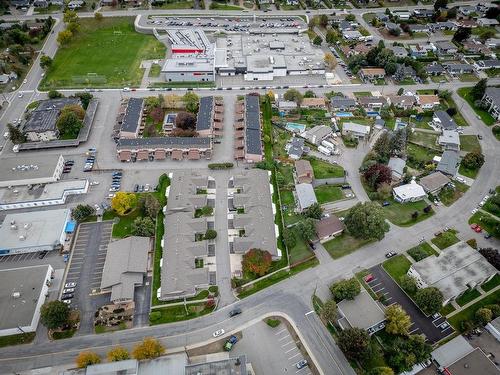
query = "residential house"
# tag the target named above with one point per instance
(304, 172)
(491, 99)
(487, 64)
(286, 106)
(382, 17)
(403, 101)
(355, 130)
(318, 103)
(450, 140)
(485, 22)
(467, 10)
(305, 196)
(428, 101)
(379, 123)
(423, 13)
(372, 74)
(446, 48)
(41, 4)
(404, 72)
(475, 46)
(456, 270)
(459, 68)
(345, 25)
(470, 24)
(434, 69)
(296, 148)
(418, 28)
(397, 166)
(372, 102)
(75, 4)
(492, 42)
(399, 51)
(393, 27)
(328, 227)
(449, 163)
(352, 35)
(442, 120)
(411, 192)
(361, 312)
(358, 49)
(434, 182)
(493, 327)
(341, 103)
(446, 25)
(4, 79)
(402, 15)
(418, 50)
(317, 134)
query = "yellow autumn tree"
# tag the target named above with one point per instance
(87, 358)
(149, 348)
(123, 202)
(118, 354)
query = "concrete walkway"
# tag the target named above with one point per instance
(460, 308)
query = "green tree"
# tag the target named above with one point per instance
(45, 62)
(54, 94)
(429, 299)
(210, 234)
(69, 124)
(293, 95)
(73, 27)
(350, 18)
(345, 289)
(483, 316)
(85, 98)
(123, 202)
(289, 238)
(82, 211)
(477, 92)
(87, 358)
(309, 94)
(355, 343)
(473, 160)
(151, 205)
(398, 321)
(143, 227)
(70, 16)
(408, 283)
(462, 33)
(15, 135)
(256, 262)
(366, 221)
(381, 371)
(404, 352)
(440, 4)
(323, 20)
(191, 101)
(64, 37)
(314, 211)
(118, 353)
(307, 229)
(149, 348)
(317, 40)
(54, 314)
(329, 311)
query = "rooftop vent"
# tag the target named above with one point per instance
(16, 295)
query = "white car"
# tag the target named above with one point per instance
(218, 333)
(68, 290)
(20, 95)
(473, 211)
(70, 285)
(126, 89)
(67, 301)
(93, 183)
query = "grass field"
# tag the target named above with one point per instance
(464, 92)
(421, 251)
(490, 284)
(425, 139)
(471, 173)
(486, 221)
(445, 240)
(155, 70)
(469, 143)
(328, 193)
(178, 313)
(104, 53)
(343, 245)
(446, 309)
(176, 5)
(449, 195)
(397, 266)
(22, 338)
(468, 313)
(419, 155)
(468, 296)
(215, 5)
(322, 169)
(401, 213)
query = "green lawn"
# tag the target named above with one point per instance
(471, 173)
(489, 285)
(397, 266)
(22, 338)
(425, 139)
(459, 119)
(401, 213)
(464, 92)
(343, 245)
(468, 313)
(328, 193)
(446, 309)
(176, 5)
(468, 77)
(418, 155)
(438, 79)
(426, 92)
(123, 228)
(104, 53)
(422, 251)
(449, 195)
(288, 206)
(322, 169)
(486, 221)
(155, 70)
(178, 313)
(301, 249)
(469, 143)
(215, 5)
(445, 239)
(182, 84)
(468, 296)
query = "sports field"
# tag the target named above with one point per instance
(104, 53)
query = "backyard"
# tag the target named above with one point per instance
(104, 53)
(425, 139)
(401, 214)
(449, 195)
(322, 169)
(397, 266)
(445, 239)
(469, 143)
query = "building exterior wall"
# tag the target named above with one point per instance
(252, 76)
(198, 76)
(253, 158)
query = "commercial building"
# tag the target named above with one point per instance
(22, 294)
(56, 193)
(34, 231)
(132, 118)
(160, 148)
(355, 130)
(454, 271)
(493, 327)
(125, 267)
(434, 182)
(411, 192)
(305, 196)
(184, 248)
(251, 220)
(30, 171)
(189, 41)
(304, 172)
(328, 227)
(361, 312)
(491, 99)
(41, 125)
(450, 352)
(189, 69)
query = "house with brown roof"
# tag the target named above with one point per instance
(434, 182)
(371, 74)
(328, 228)
(304, 171)
(403, 101)
(428, 101)
(313, 103)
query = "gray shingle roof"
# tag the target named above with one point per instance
(204, 120)
(252, 131)
(449, 163)
(133, 115)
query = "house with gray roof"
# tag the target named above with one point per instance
(397, 166)
(341, 103)
(306, 196)
(434, 182)
(399, 51)
(132, 118)
(296, 148)
(450, 140)
(456, 270)
(487, 64)
(491, 99)
(361, 312)
(459, 68)
(418, 28)
(253, 136)
(442, 120)
(125, 267)
(317, 134)
(205, 117)
(446, 48)
(355, 130)
(449, 163)
(184, 248)
(434, 69)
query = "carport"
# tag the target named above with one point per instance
(177, 155)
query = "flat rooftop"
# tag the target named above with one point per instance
(31, 229)
(55, 190)
(362, 311)
(252, 125)
(28, 282)
(28, 168)
(188, 64)
(44, 117)
(474, 363)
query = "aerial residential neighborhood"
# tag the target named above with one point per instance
(249, 187)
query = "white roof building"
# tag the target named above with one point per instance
(411, 192)
(29, 171)
(355, 130)
(305, 196)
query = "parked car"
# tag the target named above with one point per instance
(368, 278)
(444, 325)
(218, 333)
(234, 312)
(42, 254)
(69, 290)
(136, 188)
(70, 285)
(301, 364)
(312, 245)
(386, 203)
(67, 301)
(230, 343)
(476, 228)
(487, 235)
(390, 254)
(67, 296)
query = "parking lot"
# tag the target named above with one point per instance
(383, 284)
(277, 351)
(85, 269)
(32, 259)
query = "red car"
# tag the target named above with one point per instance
(476, 228)
(369, 278)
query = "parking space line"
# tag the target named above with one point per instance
(288, 343)
(293, 356)
(284, 337)
(414, 330)
(374, 286)
(300, 370)
(294, 348)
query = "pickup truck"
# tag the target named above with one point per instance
(228, 346)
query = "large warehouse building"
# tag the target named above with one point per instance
(22, 294)
(30, 171)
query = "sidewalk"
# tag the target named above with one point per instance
(460, 308)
